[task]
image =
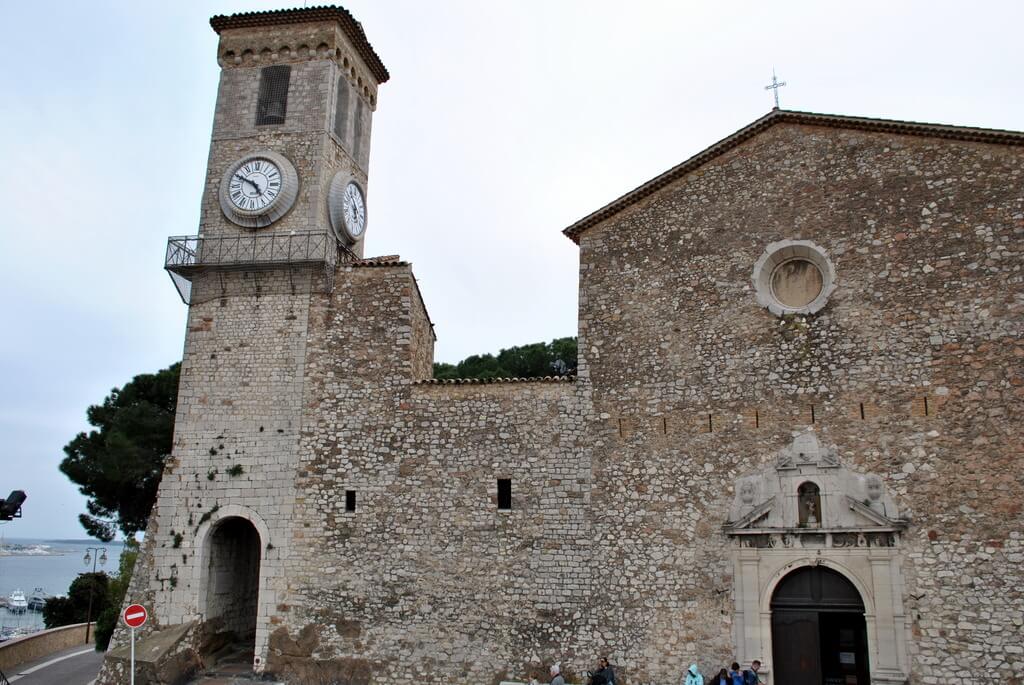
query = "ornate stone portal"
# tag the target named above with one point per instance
(809, 510)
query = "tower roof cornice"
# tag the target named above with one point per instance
(353, 29)
(780, 116)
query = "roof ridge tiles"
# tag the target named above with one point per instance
(492, 381)
(352, 28)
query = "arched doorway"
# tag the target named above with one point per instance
(819, 636)
(233, 581)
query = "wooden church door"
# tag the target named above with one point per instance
(819, 636)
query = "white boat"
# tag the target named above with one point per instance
(17, 604)
(37, 600)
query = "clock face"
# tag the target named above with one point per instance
(353, 209)
(255, 185)
(258, 189)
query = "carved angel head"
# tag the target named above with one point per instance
(873, 485)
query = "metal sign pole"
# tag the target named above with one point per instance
(133, 657)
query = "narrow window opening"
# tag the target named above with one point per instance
(861, 411)
(757, 419)
(664, 425)
(272, 103)
(812, 413)
(504, 494)
(341, 110)
(350, 500)
(357, 143)
(925, 405)
(620, 428)
(710, 427)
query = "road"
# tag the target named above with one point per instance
(76, 666)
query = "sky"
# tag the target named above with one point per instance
(502, 124)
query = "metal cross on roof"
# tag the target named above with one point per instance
(776, 84)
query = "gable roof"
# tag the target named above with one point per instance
(352, 28)
(779, 116)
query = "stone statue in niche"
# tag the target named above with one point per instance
(809, 505)
(807, 488)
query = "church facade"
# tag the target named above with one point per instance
(793, 436)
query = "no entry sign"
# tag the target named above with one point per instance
(134, 615)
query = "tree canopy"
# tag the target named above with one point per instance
(62, 611)
(536, 360)
(118, 465)
(106, 619)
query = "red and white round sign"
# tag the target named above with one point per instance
(134, 615)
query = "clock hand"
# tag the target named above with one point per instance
(250, 182)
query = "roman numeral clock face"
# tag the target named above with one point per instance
(346, 206)
(256, 185)
(354, 210)
(259, 189)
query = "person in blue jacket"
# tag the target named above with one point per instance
(693, 676)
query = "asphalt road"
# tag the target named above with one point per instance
(76, 666)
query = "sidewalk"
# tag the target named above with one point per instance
(77, 665)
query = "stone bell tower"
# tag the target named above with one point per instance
(287, 173)
(283, 211)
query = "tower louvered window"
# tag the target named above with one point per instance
(341, 110)
(357, 144)
(272, 104)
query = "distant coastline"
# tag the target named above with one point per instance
(47, 548)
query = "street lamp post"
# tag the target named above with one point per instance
(100, 555)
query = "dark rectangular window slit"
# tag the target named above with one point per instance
(710, 427)
(620, 428)
(664, 425)
(861, 411)
(757, 419)
(925, 405)
(350, 500)
(504, 494)
(812, 413)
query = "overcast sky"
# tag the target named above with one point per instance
(502, 124)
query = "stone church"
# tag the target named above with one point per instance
(794, 434)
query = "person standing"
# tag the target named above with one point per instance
(556, 675)
(722, 678)
(736, 674)
(604, 675)
(750, 676)
(693, 676)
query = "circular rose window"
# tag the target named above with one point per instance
(796, 283)
(793, 277)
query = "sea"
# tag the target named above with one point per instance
(27, 564)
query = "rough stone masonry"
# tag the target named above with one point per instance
(377, 550)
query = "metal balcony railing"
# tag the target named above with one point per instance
(186, 253)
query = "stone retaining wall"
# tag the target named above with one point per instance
(13, 653)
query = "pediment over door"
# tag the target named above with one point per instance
(809, 492)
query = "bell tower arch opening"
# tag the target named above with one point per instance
(232, 580)
(819, 634)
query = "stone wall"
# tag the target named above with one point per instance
(237, 427)
(622, 479)
(701, 385)
(18, 651)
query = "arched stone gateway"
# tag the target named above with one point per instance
(817, 553)
(231, 580)
(819, 635)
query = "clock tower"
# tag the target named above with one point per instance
(287, 174)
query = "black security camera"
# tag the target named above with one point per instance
(10, 508)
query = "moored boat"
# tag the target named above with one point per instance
(37, 600)
(17, 603)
